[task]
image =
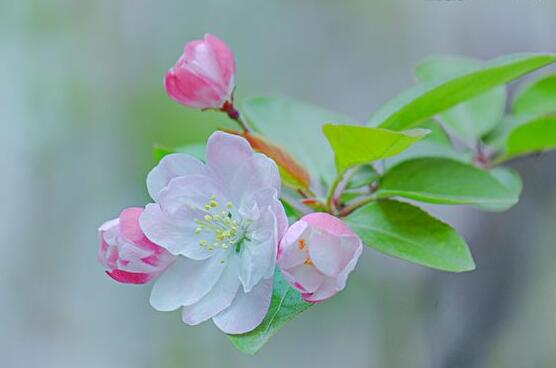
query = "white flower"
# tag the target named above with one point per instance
(223, 221)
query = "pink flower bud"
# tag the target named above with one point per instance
(317, 254)
(128, 256)
(203, 77)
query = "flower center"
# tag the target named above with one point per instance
(227, 230)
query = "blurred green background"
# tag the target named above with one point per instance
(82, 103)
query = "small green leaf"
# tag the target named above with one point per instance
(535, 136)
(445, 181)
(428, 99)
(363, 176)
(297, 126)
(286, 304)
(508, 178)
(356, 145)
(436, 144)
(194, 149)
(539, 98)
(472, 119)
(408, 232)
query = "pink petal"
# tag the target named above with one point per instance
(130, 229)
(329, 223)
(289, 252)
(308, 277)
(247, 310)
(130, 277)
(326, 253)
(192, 90)
(324, 292)
(225, 58)
(352, 243)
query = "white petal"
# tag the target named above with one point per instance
(186, 282)
(225, 153)
(178, 238)
(219, 298)
(247, 310)
(258, 255)
(172, 166)
(254, 174)
(270, 197)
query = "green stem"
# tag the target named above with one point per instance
(330, 205)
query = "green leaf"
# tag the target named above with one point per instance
(356, 145)
(428, 99)
(539, 98)
(444, 181)
(535, 136)
(474, 118)
(436, 144)
(363, 176)
(194, 149)
(297, 126)
(286, 304)
(510, 179)
(402, 230)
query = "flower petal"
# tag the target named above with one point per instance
(258, 255)
(219, 298)
(354, 244)
(304, 277)
(186, 196)
(325, 291)
(186, 282)
(177, 238)
(290, 254)
(225, 59)
(326, 253)
(225, 153)
(247, 310)
(172, 166)
(252, 175)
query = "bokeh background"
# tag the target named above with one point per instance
(82, 103)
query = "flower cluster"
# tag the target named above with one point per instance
(215, 231)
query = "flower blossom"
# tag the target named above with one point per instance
(223, 221)
(203, 77)
(128, 256)
(317, 254)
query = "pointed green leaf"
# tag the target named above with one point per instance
(474, 118)
(356, 145)
(539, 98)
(408, 232)
(428, 99)
(445, 181)
(286, 304)
(363, 176)
(510, 179)
(436, 144)
(297, 126)
(535, 136)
